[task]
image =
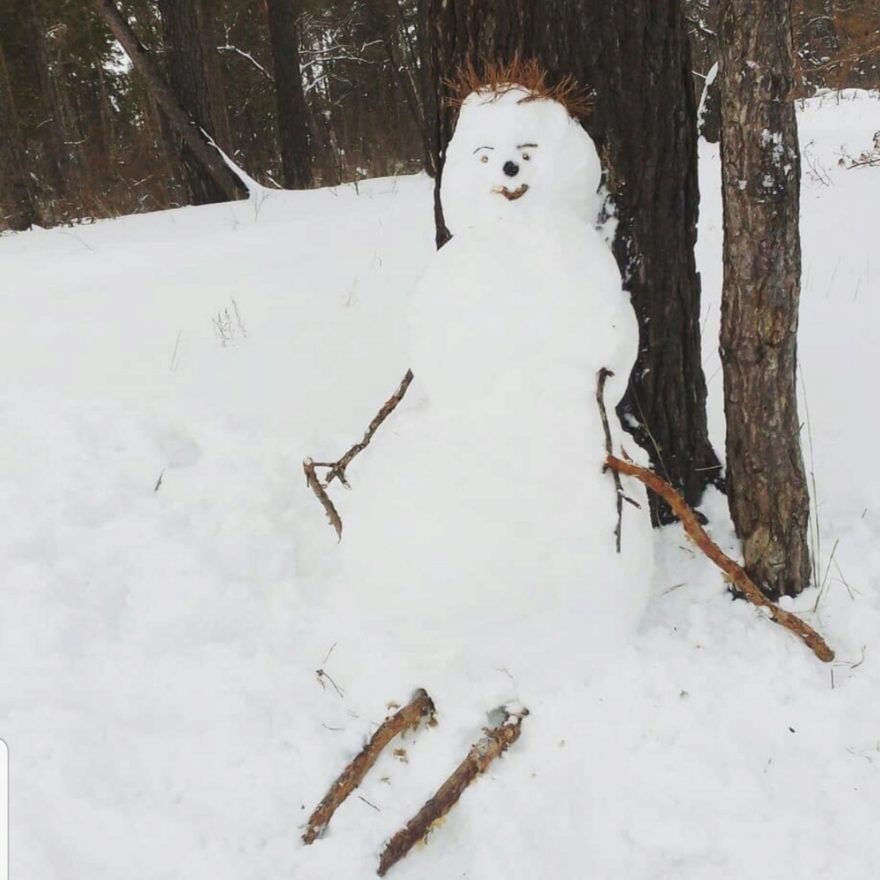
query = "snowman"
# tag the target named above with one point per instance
(483, 525)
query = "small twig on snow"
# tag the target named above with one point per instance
(336, 469)
(321, 674)
(872, 161)
(321, 494)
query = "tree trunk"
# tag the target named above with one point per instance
(388, 24)
(634, 55)
(767, 487)
(293, 122)
(20, 212)
(194, 75)
(53, 134)
(211, 164)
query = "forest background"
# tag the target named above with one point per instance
(83, 136)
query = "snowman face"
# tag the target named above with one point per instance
(514, 168)
(513, 155)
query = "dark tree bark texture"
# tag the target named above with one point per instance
(293, 123)
(195, 78)
(767, 486)
(634, 55)
(388, 23)
(18, 198)
(54, 140)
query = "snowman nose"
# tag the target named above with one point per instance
(511, 169)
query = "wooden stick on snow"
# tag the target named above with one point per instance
(321, 494)
(496, 741)
(419, 708)
(601, 376)
(337, 468)
(733, 570)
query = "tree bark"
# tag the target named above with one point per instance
(221, 176)
(767, 488)
(54, 134)
(634, 55)
(388, 23)
(293, 119)
(21, 211)
(194, 76)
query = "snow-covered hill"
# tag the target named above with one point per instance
(170, 585)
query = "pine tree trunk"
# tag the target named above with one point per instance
(52, 134)
(20, 212)
(634, 55)
(767, 486)
(194, 75)
(293, 124)
(386, 18)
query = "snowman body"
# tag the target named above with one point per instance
(487, 493)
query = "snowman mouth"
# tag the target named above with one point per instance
(512, 194)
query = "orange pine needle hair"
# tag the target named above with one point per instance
(498, 78)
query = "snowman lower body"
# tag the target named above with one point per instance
(480, 538)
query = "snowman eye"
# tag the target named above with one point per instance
(484, 158)
(526, 156)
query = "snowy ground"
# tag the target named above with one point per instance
(171, 586)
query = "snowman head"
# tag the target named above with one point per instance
(517, 153)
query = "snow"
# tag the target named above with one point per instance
(158, 646)
(4, 811)
(711, 76)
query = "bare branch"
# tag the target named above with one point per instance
(733, 570)
(337, 469)
(601, 376)
(861, 55)
(317, 487)
(248, 57)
